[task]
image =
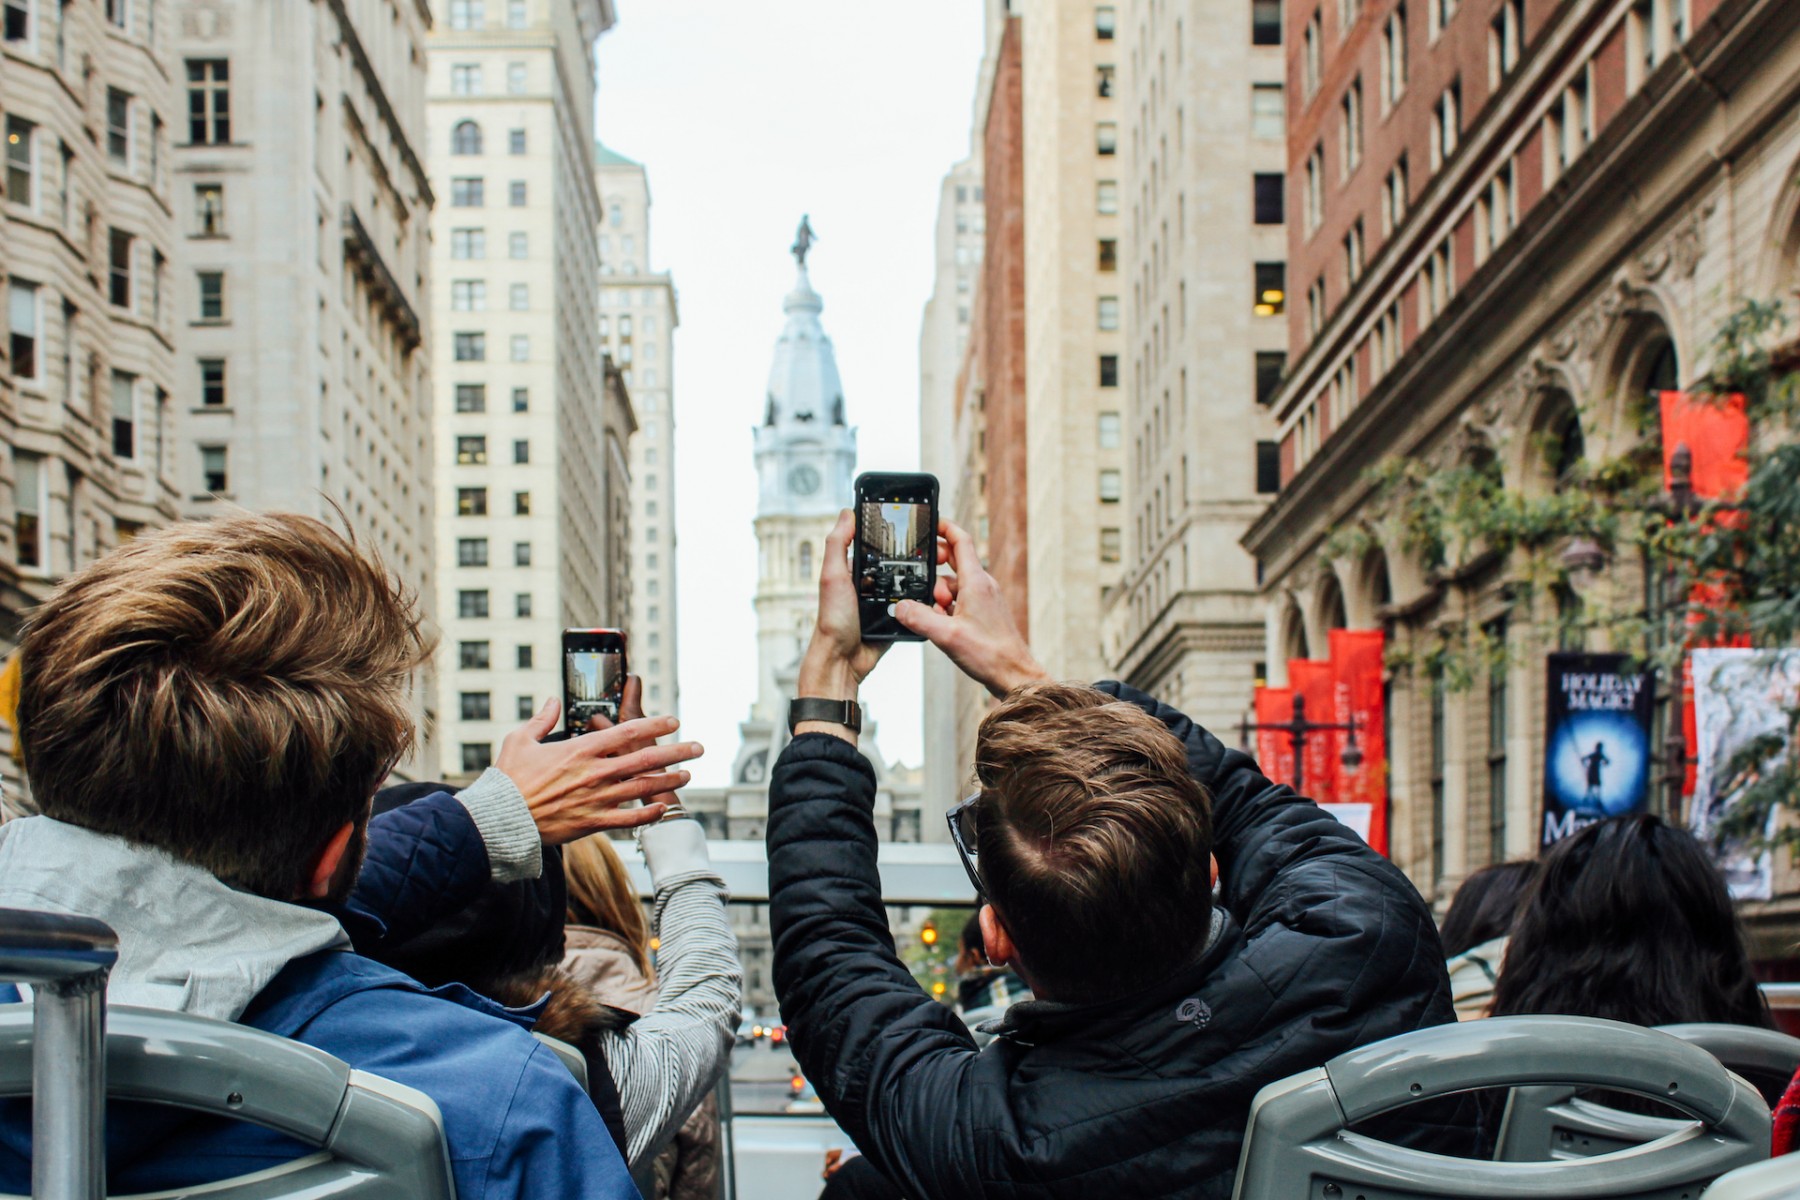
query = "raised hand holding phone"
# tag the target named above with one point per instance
(969, 619)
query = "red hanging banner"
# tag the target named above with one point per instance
(1275, 749)
(1311, 680)
(1357, 661)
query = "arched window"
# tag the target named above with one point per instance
(1331, 607)
(615, 215)
(465, 138)
(806, 561)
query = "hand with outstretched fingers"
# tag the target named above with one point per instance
(970, 621)
(631, 708)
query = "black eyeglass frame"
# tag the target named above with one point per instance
(967, 848)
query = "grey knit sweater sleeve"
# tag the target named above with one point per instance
(665, 1062)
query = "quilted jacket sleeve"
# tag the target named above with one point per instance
(425, 861)
(893, 1066)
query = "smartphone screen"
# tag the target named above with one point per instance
(593, 676)
(896, 549)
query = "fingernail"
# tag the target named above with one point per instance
(697, 748)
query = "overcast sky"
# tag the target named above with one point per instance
(746, 116)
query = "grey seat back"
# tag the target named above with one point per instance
(1299, 1140)
(568, 1055)
(1555, 1122)
(1777, 1179)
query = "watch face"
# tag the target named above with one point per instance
(803, 480)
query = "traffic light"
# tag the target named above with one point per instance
(929, 934)
(938, 988)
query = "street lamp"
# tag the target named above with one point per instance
(1298, 728)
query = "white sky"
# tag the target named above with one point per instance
(748, 115)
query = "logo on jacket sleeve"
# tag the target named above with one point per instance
(1194, 1011)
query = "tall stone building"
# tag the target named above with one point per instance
(638, 317)
(301, 217)
(89, 376)
(1518, 220)
(805, 453)
(525, 465)
(1201, 280)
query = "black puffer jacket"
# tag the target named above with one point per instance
(1324, 946)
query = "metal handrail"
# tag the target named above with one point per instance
(1782, 996)
(66, 961)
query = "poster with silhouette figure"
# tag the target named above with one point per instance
(1597, 754)
(1743, 700)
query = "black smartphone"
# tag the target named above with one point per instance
(895, 557)
(593, 676)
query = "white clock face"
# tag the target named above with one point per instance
(803, 480)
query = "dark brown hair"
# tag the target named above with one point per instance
(1485, 905)
(1094, 841)
(229, 691)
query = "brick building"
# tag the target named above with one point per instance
(1512, 219)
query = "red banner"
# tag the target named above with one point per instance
(1716, 432)
(1311, 680)
(1274, 748)
(1357, 662)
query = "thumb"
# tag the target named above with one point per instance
(543, 724)
(925, 621)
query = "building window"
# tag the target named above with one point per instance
(521, 451)
(1108, 313)
(1106, 138)
(1393, 58)
(522, 604)
(515, 79)
(125, 416)
(472, 603)
(467, 192)
(515, 14)
(1105, 79)
(17, 26)
(118, 126)
(119, 268)
(1265, 22)
(1268, 468)
(1271, 289)
(471, 450)
(1353, 252)
(475, 706)
(1107, 198)
(1496, 748)
(472, 552)
(471, 397)
(615, 215)
(24, 324)
(521, 554)
(1271, 199)
(468, 295)
(522, 655)
(28, 508)
(467, 14)
(1107, 258)
(212, 382)
(518, 297)
(213, 474)
(1268, 111)
(515, 193)
(1387, 348)
(469, 347)
(1315, 307)
(1315, 189)
(1112, 546)
(1350, 116)
(472, 656)
(1109, 370)
(521, 399)
(1112, 486)
(209, 209)
(477, 757)
(1437, 282)
(527, 709)
(1311, 56)
(521, 347)
(118, 14)
(1110, 430)
(21, 162)
(1506, 37)
(1394, 198)
(1270, 366)
(1106, 22)
(1446, 125)
(212, 295)
(518, 245)
(521, 504)
(471, 502)
(515, 141)
(465, 138)
(209, 101)
(468, 243)
(465, 80)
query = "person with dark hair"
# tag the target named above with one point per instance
(1158, 1013)
(1475, 932)
(1629, 920)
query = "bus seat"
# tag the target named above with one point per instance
(1555, 1122)
(1777, 1179)
(1299, 1140)
(376, 1140)
(570, 1056)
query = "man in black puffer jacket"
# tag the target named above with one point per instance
(1160, 1014)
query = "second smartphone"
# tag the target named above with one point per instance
(895, 555)
(593, 676)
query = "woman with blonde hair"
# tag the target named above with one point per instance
(677, 1013)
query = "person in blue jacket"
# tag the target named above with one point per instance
(205, 715)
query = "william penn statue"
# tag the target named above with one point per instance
(803, 240)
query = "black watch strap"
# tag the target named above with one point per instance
(847, 713)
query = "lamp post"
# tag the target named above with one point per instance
(1298, 728)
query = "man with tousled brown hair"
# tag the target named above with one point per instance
(1159, 1011)
(205, 716)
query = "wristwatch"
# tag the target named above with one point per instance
(847, 713)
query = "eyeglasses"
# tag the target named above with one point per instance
(962, 835)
